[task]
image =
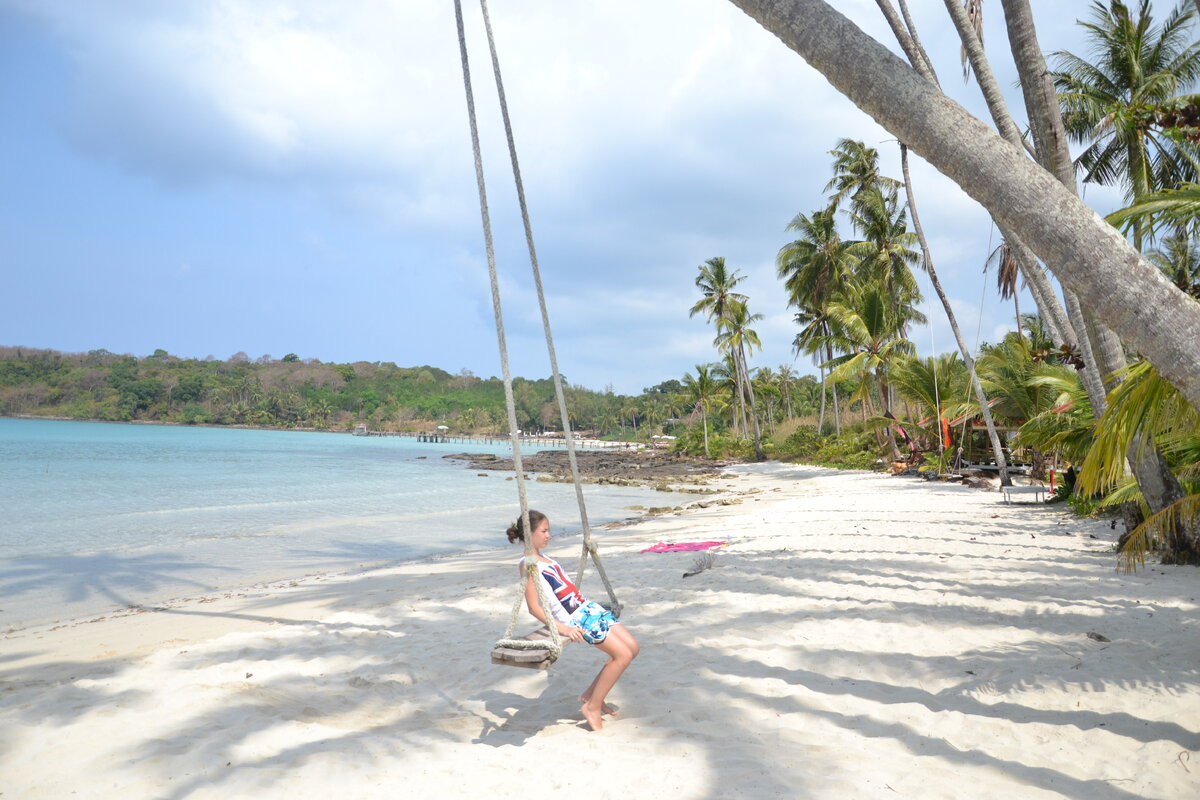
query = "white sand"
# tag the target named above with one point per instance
(863, 636)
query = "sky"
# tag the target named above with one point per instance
(270, 177)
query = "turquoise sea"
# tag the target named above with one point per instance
(97, 516)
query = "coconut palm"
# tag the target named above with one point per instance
(886, 250)
(932, 385)
(1133, 65)
(855, 170)
(784, 379)
(867, 330)
(1178, 256)
(1089, 257)
(1144, 407)
(701, 390)
(735, 336)
(716, 282)
(815, 268)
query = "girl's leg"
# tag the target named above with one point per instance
(622, 633)
(621, 648)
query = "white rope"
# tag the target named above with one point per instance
(529, 571)
(588, 547)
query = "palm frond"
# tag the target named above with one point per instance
(1178, 520)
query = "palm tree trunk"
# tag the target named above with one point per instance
(758, 450)
(1050, 143)
(1150, 313)
(1159, 486)
(704, 422)
(821, 416)
(985, 411)
(883, 401)
(837, 417)
(1040, 289)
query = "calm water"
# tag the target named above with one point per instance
(97, 516)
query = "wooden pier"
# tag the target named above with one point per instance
(538, 441)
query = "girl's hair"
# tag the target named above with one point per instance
(516, 532)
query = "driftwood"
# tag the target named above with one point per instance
(703, 562)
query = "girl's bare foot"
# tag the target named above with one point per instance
(605, 708)
(593, 717)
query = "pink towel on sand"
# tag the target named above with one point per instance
(663, 547)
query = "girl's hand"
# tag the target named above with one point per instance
(571, 632)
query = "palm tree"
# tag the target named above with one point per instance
(815, 268)
(1108, 97)
(815, 339)
(868, 331)
(1179, 259)
(855, 170)
(1145, 407)
(886, 249)
(932, 385)
(717, 283)
(1088, 256)
(701, 390)
(735, 336)
(784, 377)
(1109, 100)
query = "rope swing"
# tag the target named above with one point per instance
(542, 647)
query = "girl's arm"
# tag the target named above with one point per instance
(535, 608)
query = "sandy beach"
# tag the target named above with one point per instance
(861, 636)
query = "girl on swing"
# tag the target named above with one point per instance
(576, 618)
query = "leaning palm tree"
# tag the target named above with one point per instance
(1108, 99)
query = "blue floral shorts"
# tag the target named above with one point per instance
(594, 620)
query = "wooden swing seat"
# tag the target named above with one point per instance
(532, 658)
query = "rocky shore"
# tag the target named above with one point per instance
(620, 467)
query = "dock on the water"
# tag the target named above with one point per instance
(540, 441)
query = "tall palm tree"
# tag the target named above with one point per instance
(701, 390)
(1108, 97)
(815, 267)
(735, 336)
(868, 331)
(886, 250)
(855, 170)
(785, 376)
(717, 283)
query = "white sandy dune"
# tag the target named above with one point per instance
(862, 636)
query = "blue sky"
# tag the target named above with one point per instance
(275, 177)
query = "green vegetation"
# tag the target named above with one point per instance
(294, 393)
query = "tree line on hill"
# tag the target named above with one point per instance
(291, 392)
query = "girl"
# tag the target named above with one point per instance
(576, 618)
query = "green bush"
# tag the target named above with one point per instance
(853, 450)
